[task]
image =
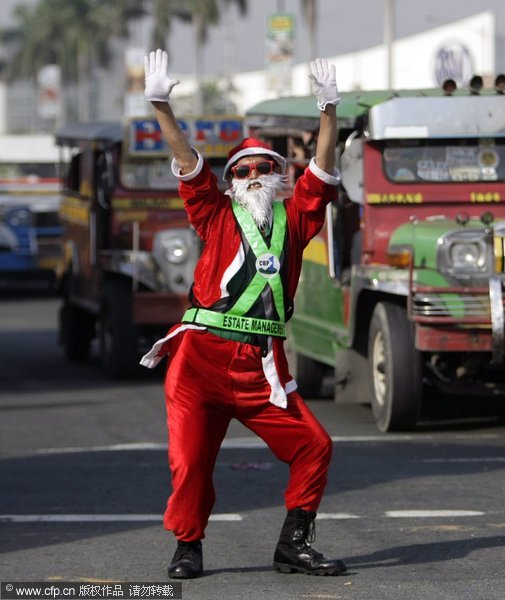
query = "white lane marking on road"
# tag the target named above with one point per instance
(464, 459)
(226, 517)
(102, 518)
(223, 517)
(406, 437)
(425, 514)
(246, 443)
(336, 516)
(109, 448)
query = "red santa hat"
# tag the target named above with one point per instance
(249, 147)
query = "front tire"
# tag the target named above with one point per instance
(76, 331)
(119, 335)
(309, 374)
(395, 369)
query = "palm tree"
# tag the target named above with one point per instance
(75, 35)
(29, 41)
(202, 14)
(162, 21)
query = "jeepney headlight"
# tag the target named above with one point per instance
(175, 250)
(465, 254)
(19, 217)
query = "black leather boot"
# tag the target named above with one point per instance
(187, 562)
(294, 554)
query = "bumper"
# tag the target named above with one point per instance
(459, 319)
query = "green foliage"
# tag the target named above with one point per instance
(77, 36)
(63, 32)
(215, 100)
(202, 13)
(69, 32)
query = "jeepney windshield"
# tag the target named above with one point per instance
(30, 172)
(433, 161)
(156, 174)
(147, 174)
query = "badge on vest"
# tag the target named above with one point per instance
(268, 265)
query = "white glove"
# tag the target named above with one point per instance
(324, 84)
(158, 83)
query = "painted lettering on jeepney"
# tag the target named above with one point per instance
(395, 198)
(74, 210)
(485, 197)
(132, 215)
(213, 130)
(85, 189)
(147, 203)
(215, 136)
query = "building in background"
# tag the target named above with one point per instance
(424, 60)
(456, 50)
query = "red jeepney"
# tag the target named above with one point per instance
(128, 252)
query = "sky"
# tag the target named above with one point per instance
(238, 44)
(343, 26)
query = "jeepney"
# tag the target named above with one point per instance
(402, 291)
(30, 230)
(128, 251)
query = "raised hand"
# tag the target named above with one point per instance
(324, 84)
(158, 84)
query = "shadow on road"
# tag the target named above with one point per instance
(418, 554)
(137, 482)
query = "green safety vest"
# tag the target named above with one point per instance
(267, 274)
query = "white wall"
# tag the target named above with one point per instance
(3, 107)
(414, 63)
(414, 58)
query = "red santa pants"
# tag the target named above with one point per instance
(209, 381)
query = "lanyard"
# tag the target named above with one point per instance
(267, 259)
(267, 274)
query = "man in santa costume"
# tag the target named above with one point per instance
(226, 357)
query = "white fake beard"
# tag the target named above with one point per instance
(258, 202)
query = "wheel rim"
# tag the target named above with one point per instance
(379, 368)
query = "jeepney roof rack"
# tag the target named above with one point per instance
(106, 132)
(301, 112)
(440, 117)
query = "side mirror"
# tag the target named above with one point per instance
(105, 178)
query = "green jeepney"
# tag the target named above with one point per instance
(402, 290)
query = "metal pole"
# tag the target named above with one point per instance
(228, 60)
(198, 95)
(311, 19)
(310, 14)
(389, 35)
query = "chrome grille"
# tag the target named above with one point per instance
(451, 305)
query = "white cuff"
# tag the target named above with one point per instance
(321, 102)
(326, 177)
(176, 169)
(153, 357)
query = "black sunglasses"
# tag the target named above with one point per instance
(265, 167)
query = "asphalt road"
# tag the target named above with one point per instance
(83, 483)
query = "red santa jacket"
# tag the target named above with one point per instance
(209, 211)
